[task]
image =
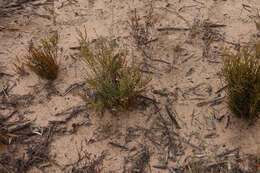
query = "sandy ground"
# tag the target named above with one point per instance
(186, 72)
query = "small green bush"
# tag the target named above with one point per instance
(116, 84)
(242, 75)
(42, 60)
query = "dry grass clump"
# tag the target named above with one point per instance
(242, 75)
(19, 68)
(42, 60)
(116, 84)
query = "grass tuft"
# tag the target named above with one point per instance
(42, 60)
(116, 84)
(19, 68)
(242, 75)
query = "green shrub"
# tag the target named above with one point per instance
(116, 85)
(42, 60)
(242, 75)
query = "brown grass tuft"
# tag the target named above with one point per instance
(242, 75)
(42, 60)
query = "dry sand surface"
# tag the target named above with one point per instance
(178, 43)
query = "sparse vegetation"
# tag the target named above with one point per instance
(242, 75)
(182, 125)
(116, 84)
(141, 26)
(42, 60)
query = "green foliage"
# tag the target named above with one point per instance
(116, 84)
(42, 60)
(242, 75)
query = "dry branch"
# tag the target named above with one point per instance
(174, 121)
(213, 101)
(172, 28)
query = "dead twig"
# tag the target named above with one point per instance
(213, 101)
(161, 93)
(71, 87)
(9, 116)
(221, 89)
(149, 41)
(160, 167)
(187, 142)
(118, 145)
(149, 99)
(5, 74)
(172, 28)
(174, 121)
(159, 60)
(228, 121)
(228, 152)
(19, 127)
(214, 25)
(75, 111)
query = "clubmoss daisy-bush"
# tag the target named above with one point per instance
(116, 84)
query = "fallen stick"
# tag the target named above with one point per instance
(146, 71)
(160, 167)
(18, 3)
(190, 144)
(72, 114)
(221, 89)
(75, 48)
(161, 93)
(213, 25)
(159, 60)
(172, 117)
(212, 118)
(6, 74)
(211, 101)
(227, 152)
(172, 28)
(211, 135)
(199, 2)
(9, 116)
(149, 41)
(19, 127)
(149, 99)
(187, 142)
(118, 145)
(71, 87)
(228, 120)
